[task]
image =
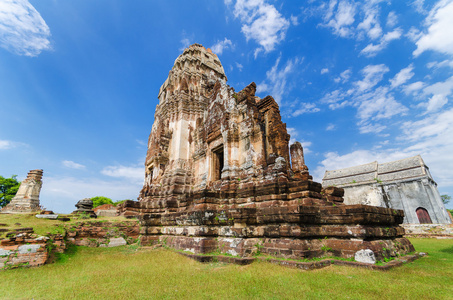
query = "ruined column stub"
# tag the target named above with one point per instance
(298, 162)
(85, 206)
(218, 177)
(27, 197)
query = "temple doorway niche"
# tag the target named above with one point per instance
(423, 216)
(217, 163)
(150, 174)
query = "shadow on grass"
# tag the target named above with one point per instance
(447, 250)
(61, 258)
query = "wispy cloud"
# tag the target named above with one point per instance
(402, 76)
(276, 79)
(261, 22)
(72, 165)
(373, 49)
(373, 74)
(440, 92)
(22, 29)
(373, 102)
(134, 173)
(218, 47)
(305, 108)
(340, 16)
(185, 41)
(438, 36)
(344, 76)
(392, 19)
(370, 25)
(331, 127)
(6, 144)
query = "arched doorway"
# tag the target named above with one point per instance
(423, 216)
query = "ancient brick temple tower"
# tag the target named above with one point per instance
(27, 197)
(218, 178)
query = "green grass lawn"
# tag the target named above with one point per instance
(129, 273)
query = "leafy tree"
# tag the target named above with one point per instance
(8, 189)
(445, 199)
(101, 200)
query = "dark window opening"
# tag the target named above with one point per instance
(151, 171)
(217, 163)
(423, 216)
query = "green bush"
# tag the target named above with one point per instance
(100, 200)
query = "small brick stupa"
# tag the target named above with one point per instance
(27, 197)
(219, 179)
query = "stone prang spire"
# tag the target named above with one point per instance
(27, 197)
(219, 178)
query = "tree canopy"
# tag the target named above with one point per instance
(445, 199)
(8, 189)
(101, 200)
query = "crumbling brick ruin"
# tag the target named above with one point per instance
(219, 179)
(27, 197)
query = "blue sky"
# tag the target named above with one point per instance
(357, 81)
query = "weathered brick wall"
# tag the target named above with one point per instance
(99, 233)
(28, 250)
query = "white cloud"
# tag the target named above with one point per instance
(344, 76)
(185, 43)
(305, 108)
(440, 92)
(331, 127)
(431, 137)
(276, 79)
(373, 103)
(392, 19)
(22, 29)
(239, 66)
(418, 4)
(370, 25)
(135, 174)
(294, 20)
(4, 144)
(438, 36)
(373, 74)
(436, 102)
(373, 49)
(218, 47)
(413, 34)
(437, 65)
(262, 22)
(403, 76)
(444, 88)
(72, 165)
(413, 87)
(340, 17)
(324, 71)
(365, 127)
(378, 104)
